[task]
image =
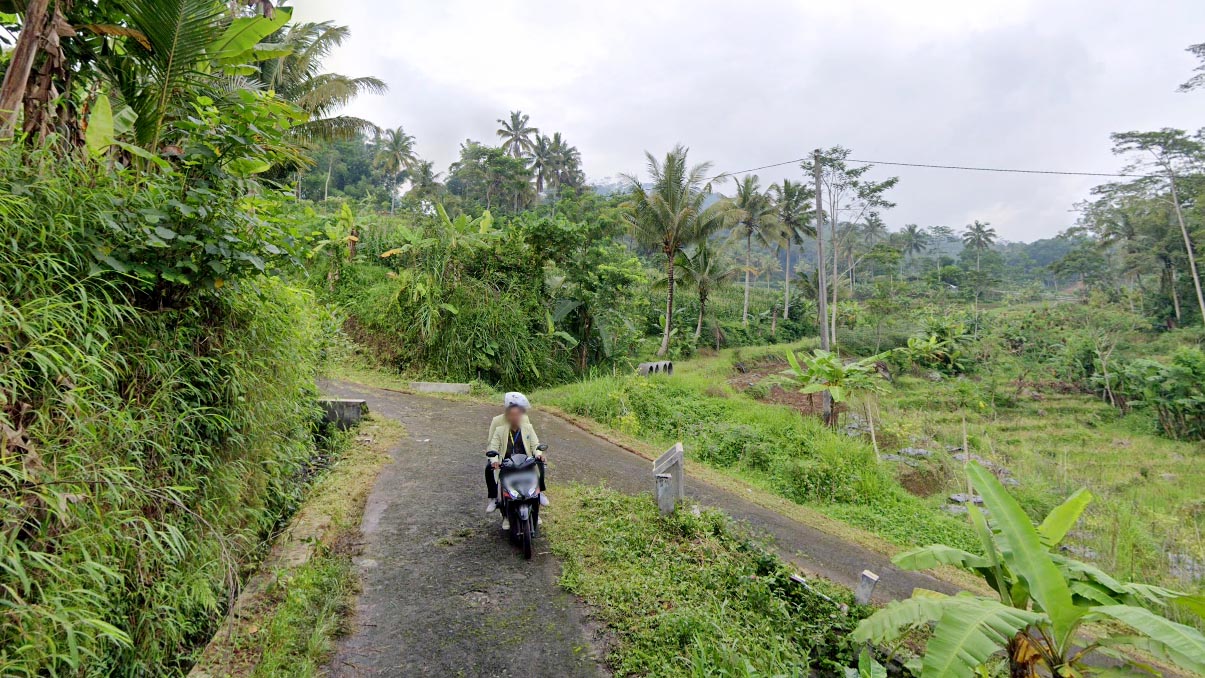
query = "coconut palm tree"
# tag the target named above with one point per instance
(543, 162)
(978, 236)
(756, 213)
(567, 163)
(395, 157)
(424, 181)
(669, 214)
(913, 240)
(873, 231)
(517, 136)
(793, 207)
(297, 77)
(705, 269)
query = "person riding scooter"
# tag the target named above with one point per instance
(513, 435)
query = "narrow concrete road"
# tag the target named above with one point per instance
(446, 595)
(444, 592)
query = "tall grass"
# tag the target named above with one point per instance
(772, 446)
(146, 452)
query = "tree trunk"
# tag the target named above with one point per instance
(669, 306)
(1171, 281)
(836, 279)
(16, 77)
(582, 356)
(699, 326)
(978, 279)
(832, 329)
(826, 398)
(1192, 257)
(874, 439)
(326, 187)
(786, 285)
(748, 254)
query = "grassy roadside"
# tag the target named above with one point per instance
(758, 495)
(354, 369)
(765, 445)
(688, 595)
(290, 611)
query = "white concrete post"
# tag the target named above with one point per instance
(866, 587)
(670, 477)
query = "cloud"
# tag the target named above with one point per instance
(1000, 83)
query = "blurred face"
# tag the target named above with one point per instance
(514, 416)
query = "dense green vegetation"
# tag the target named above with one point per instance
(157, 394)
(689, 595)
(154, 431)
(1042, 601)
(187, 221)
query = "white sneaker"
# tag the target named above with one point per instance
(543, 499)
(492, 506)
(505, 524)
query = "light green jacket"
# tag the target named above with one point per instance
(500, 422)
(498, 439)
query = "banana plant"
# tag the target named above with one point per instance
(935, 352)
(464, 231)
(1043, 600)
(826, 371)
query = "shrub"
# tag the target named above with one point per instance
(1175, 392)
(147, 450)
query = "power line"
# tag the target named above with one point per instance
(948, 167)
(754, 169)
(1007, 170)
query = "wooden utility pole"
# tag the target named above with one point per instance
(12, 92)
(826, 398)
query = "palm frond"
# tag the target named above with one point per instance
(338, 128)
(327, 92)
(178, 32)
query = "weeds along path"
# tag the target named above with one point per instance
(445, 593)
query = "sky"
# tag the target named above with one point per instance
(1016, 84)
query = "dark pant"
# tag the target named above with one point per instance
(491, 483)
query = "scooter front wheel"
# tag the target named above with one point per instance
(525, 535)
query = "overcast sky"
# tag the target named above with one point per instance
(1016, 83)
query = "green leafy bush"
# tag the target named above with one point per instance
(147, 449)
(1174, 391)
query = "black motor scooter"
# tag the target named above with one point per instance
(519, 497)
